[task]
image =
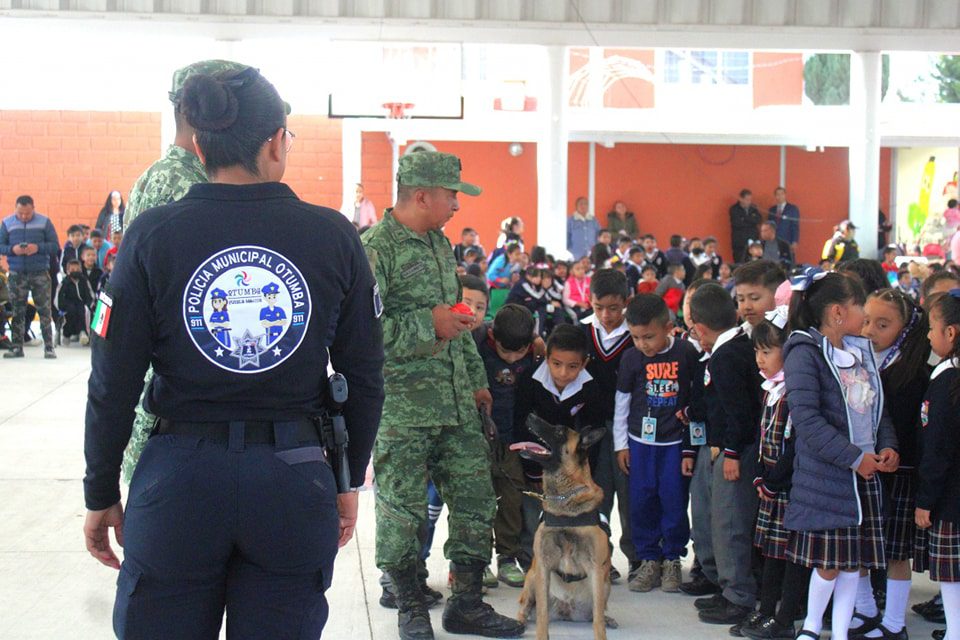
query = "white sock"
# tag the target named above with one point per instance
(817, 600)
(844, 599)
(866, 603)
(951, 607)
(895, 613)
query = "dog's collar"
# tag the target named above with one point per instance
(569, 577)
(563, 497)
(588, 519)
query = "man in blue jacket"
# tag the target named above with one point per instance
(28, 239)
(786, 216)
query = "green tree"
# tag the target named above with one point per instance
(826, 78)
(948, 75)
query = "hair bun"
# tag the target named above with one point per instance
(208, 103)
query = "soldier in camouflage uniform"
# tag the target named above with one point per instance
(165, 181)
(435, 382)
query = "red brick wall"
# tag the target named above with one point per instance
(314, 165)
(70, 160)
(376, 173)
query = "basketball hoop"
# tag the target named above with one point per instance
(397, 110)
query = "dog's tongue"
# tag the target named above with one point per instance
(530, 447)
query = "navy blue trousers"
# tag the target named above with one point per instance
(658, 502)
(210, 527)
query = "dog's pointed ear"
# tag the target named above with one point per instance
(590, 436)
(534, 421)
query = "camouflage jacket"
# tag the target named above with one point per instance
(165, 181)
(428, 382)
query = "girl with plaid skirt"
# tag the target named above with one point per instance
(897, 327)
(836, 404)
(938, 494)
(782, 580)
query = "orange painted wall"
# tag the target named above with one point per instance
(630, 93)
(314, 164)
(777, 78)
(376, 173)
(70, 160)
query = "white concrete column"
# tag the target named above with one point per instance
(865, 95)
(592, 179)
(351, 148)
(552, 155)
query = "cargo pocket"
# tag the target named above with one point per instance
(316, 613)
(127, 583)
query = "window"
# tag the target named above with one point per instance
(706, 67)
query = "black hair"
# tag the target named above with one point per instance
(711, 305)
(84, 248)
(96, 233)
(951, 203)
(74, 228)
(931, 280)
(566, 337)
(745, 192)
(509, 223)
(634, 250)
(915, 348)
(108, 206)
(765, 273)
(948, 308)
(24, 201)
(709, 240)
(538, 255)
(474, 270)
(532, 271)
(602, 231)
(624, 239)
(513, 327)
(887, 250)
(599, 255)
(649, 236)
(548, 273)
(676, 240)
(473, 251)
(767, 335)
(779, 189)
(871, 273)
(645, 308)
(233, 113)
(474, 284)
(609, 282)
(510, 247)
(697, 283)
(73, 262)
(467, 230)
(702, 271)
(648, 267)
(807, 307)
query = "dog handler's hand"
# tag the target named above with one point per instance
(96, 533)
(347, 506)
(731, 469)
(623, 461)
(686, 467)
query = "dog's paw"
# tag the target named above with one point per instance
(611, 623)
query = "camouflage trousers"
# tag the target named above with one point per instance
(21, 285)
(457, 459)
(143, 423)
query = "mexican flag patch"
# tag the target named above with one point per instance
(101, 315)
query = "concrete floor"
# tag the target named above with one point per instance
(51, 588)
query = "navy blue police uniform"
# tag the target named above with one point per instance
(233, 504)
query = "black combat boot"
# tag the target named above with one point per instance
(467, 613)
(412, 615)
(388, 599)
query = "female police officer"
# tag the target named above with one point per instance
(232, 505)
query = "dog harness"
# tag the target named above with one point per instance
(588, 519)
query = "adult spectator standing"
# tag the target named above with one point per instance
(234, 505)
(786, 216)
(165, 181)
(774, 248)
(744, 220)
(110, 218)
(435, 382)
(582, 230)
(620, 221)
(364, 214)
(30, 243)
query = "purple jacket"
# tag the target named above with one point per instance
(824, 493)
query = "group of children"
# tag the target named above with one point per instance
(820, 436)
(86, 261)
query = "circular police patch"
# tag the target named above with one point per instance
(247, 309)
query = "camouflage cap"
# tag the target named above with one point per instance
(433, 169)
(207, 67)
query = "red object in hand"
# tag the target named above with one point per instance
(460, 307)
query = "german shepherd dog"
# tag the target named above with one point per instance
(569, 578)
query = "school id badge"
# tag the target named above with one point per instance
(648, 429)
(698, 434)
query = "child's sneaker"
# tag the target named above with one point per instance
(647, 578)
(509, 573)
(84, 339)
(671, 576)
